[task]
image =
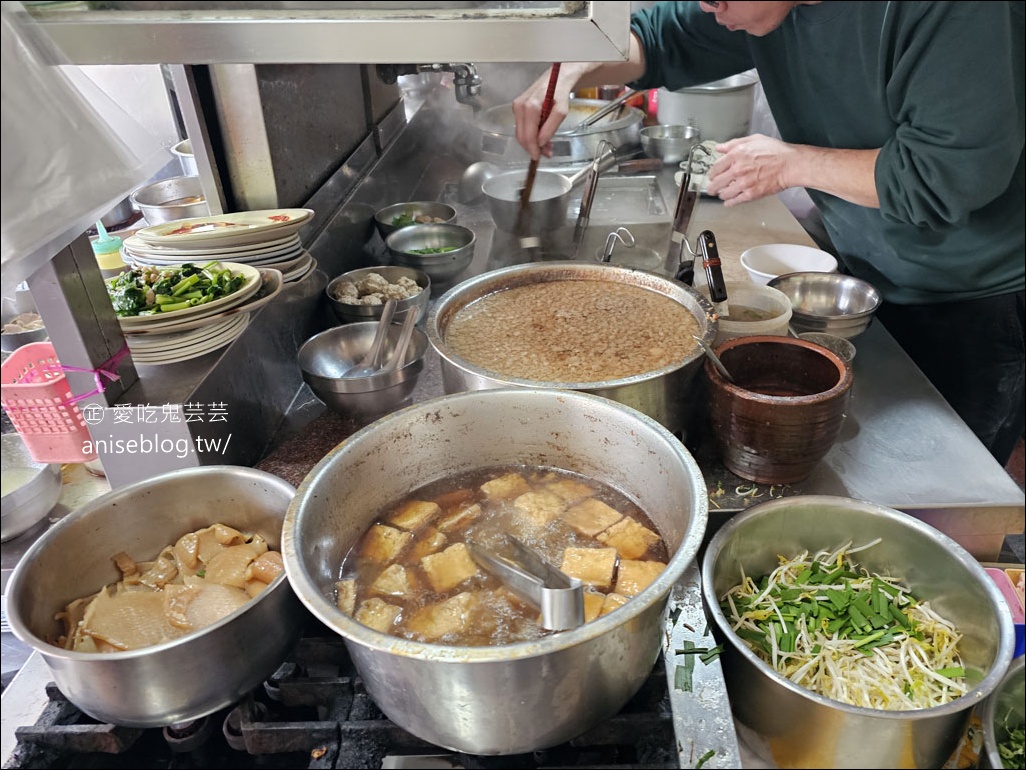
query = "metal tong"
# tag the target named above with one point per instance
(605, 148)
(596, 116)
(559, 596)
(687, 199)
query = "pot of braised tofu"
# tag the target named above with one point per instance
(382, 544)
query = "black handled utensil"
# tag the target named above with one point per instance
(713, 272)
(685, 206)
(524, 215)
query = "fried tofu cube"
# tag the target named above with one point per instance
(414, 514)
(428, 541)
(443, 618)
(613, 601)
(570, 490)
(506, 487)
(593, 602)
(378, 614)
(536, 509)
(630, 538)
(393, 581)
(591, 516)
(592, 566)
(459, 518)
(448, 568)
(635, 576)
(345, 595)
(383, 544)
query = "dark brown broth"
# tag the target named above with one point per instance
(500, 617)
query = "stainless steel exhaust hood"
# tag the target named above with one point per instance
(335, 32)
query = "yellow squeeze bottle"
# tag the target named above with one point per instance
(107, 249)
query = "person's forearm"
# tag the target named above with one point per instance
(847, 174)
(590, 74)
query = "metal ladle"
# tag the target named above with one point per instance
(715, 358)
(371, 362)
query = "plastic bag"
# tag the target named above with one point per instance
(69, 153)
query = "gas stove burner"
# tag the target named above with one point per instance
(314, 712)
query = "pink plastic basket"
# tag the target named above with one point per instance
(37, 398)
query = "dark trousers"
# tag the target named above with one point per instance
(973, 353)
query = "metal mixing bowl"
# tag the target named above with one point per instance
(669, 143)
(837, 304)
(186, 678)
(384, 219)
(442, 266)
(798, 728)
(347, 312)
(1003, 711)
(326, 356)
(499, 699)
(30, 488)
(178, 197)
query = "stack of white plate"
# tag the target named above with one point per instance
(264, 239)
(180, 335)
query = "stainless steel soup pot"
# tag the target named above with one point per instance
(520, 697)
(792, 726)
(663, 394)
(185, 678)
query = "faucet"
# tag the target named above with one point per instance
(465, 78)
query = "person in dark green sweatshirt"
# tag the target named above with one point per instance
(904, 122)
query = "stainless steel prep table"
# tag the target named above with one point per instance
(901, 444)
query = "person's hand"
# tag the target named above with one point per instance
(750, 167)
(528, 106)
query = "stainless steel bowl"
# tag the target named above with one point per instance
(347, 312)
(178, 197)
(384, 219)
(512, 698)
(550, 198)
(668, 142)
(798, 728)
(1003, 711)
(837, 304)
(186, 678)
(663, 394)
(30, 488)
(442, 266)
(325, 357)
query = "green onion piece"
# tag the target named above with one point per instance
(705, 758)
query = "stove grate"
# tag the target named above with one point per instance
(315, 713)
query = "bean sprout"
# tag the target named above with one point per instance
(848, 634)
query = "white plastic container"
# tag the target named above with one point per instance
(721, 110)
(745, 298)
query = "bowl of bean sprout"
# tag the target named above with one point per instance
(854, 635)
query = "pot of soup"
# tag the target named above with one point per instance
(378, 541)
(617, 332)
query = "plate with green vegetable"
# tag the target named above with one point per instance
(148, 295)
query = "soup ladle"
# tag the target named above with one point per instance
(715, 358)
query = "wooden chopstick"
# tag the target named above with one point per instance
(524, 217)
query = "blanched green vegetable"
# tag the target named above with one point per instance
(144, 291)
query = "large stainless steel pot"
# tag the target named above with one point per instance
(663, 394)
(520, 697)
(498, 133)
(185, 678)
(794, 727)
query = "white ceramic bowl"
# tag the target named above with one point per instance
(769, 260)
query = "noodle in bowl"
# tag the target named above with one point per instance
(791, 726)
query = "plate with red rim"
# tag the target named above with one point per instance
(136, 245)
(244, 227)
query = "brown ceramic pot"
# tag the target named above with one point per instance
(784, 409)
